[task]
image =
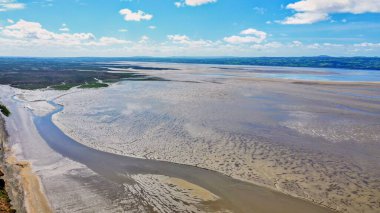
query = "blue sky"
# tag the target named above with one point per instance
(189, 27)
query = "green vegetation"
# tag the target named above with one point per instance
(4, 110)
(63, 86)
(93, 85)
(67, 86)
(64, 73)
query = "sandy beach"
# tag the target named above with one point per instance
(311, 140)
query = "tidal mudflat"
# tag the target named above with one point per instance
(313, 140)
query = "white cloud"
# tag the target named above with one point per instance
(296, 43)
(123, 30)
(336, 6)
(332, 45)
(108, 41)
(135, 16)
(198, 2)
(31, 39)
(185, 40)
(32, 33)
(144, 39)
(179, 38)
(305, 18)
(367, 44)
(311, 11)
(10, 21)
(250, 36)
(64, 28)
(313, 46)
(270, 45)
(241, 39)
(6, 5)
(193, 3)
(251, 31)
(179, 4)
(152, 27)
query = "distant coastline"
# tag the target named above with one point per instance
(365, 63)
(357, 62)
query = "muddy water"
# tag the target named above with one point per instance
(235, 195)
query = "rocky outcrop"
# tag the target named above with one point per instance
(11, 195)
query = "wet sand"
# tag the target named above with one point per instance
(235, 195)
(310, 139)
(119, 177)
(314, 140)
